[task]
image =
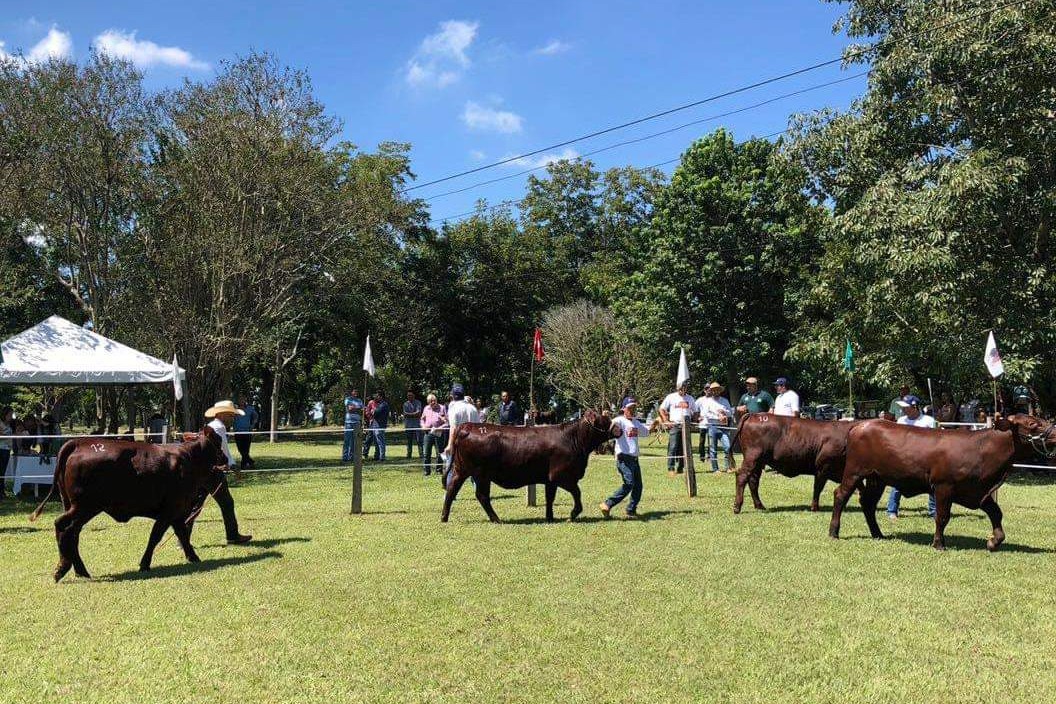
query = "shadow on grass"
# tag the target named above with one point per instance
(11, 530)
(643, 517)
(191, 568)
(959, 542)
(267, 543)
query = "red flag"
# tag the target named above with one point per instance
(537, 345)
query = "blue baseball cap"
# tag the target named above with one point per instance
(629, 401)
(908, 401)
(780, 381)
(458, 391)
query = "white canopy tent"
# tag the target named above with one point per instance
(57, 352)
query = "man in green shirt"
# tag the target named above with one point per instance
(753, 400)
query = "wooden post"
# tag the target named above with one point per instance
(687, 453)
(531, 495)
(357, 470)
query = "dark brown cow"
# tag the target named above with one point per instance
(793, 447)
(124, 479)
(960, 466)
(512, 457)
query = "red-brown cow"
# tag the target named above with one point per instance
(512, 457)
(793, 447)
(959, 466)
(124, 479)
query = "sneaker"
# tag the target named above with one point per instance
(604, 508)
(892, 516)
(632, 514)
(239, 539)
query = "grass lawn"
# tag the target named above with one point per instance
(690, 604)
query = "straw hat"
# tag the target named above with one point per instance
(716, 385)
(222, 407)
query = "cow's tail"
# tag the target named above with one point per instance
(60, 469)
(734, 446)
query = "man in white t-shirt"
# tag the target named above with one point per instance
(911, 415)
(787, 401)
(459, 411)
(675, 410)
(221, 414)
(716, 414)
(627, 430)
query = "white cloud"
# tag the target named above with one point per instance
(555, 46)
(476, 155)
(145, 54)
(55, 45)
(479, 117)
(540, 160)
(441, 58)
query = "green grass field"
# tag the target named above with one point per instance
(690, 604)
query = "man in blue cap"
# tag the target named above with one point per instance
(459, 411)
(911, 415)
(627, 430)
(787, 401)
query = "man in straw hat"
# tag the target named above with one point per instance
(627, 430)
(222, 413)
(716, 414)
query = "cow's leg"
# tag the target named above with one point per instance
(749, 463)
(577, 506)
(753, 485)
(839, 502)
(551, 494)
(183, 534)
(943, 504)
(819, 484)
(156, 533)
(994, 512)
(62, 523)
(69, 543)
(869, 496)
(454, 482)
(484, 497)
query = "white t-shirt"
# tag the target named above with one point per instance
(627, 442)
(459, 412)
(679, 407)
(714, 409)
(921, 421)
(218, 425)
(787, 404)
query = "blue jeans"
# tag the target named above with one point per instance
(350, 440)
(894, 497)
(717, 436)
(631, 473)
(375, 438)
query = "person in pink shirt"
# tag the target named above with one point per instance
(434, 422)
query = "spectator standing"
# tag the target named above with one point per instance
(715, 415)
(221, 414)
(627, 429)
(434, 420)
(911, 415)
(787, 401)
(156, 427)
(459, 411)
(377, 416)
(244, 427)
(353, 422)
(6, 431)
(894, 409)
(753, 400)
(676, 410)
(412, 423)
(509, 413)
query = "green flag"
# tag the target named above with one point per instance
(848, 358)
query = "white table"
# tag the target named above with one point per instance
(28, 469)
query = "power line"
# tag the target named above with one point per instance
(712, 98)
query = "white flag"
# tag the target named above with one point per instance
(177, 383)
(992, 358)
(368, 359)
(683, 369)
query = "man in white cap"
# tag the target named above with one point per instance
(716, 414)
(222, 413)
(627, 430)
(676, 409)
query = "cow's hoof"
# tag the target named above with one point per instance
(83, 574)
(144, 568)
(878, 536)
(995, 540)
(193, 558)
(938, 546)
(814, 508)
(760, 507)
(736, 510)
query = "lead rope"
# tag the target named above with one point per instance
(194, 514)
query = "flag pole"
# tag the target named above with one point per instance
(850, 393)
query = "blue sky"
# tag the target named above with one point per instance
(468, 83)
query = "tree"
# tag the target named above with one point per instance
(728, 245)
(942, 188)
(592, 357)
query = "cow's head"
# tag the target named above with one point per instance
(1029, 430)
(600, 424)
